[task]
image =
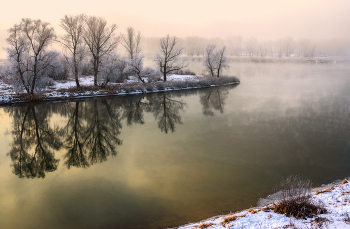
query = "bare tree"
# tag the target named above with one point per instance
(168, 56)
(221, 61)
(28, 43)
(73, 42)
(131, 42)
(210, 59)
(101, 41)
(213, 61)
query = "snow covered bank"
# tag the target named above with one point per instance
(336, 200)
(66, 89)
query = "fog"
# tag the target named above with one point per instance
(263, 20)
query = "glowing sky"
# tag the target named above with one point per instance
(269, 19)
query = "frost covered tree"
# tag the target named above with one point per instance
(72, 41)
(100, 40)
(131, 42)
(215, 62)
(168, 57)
(113, 69)
(28, 43)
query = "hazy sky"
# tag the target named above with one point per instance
(268, 19)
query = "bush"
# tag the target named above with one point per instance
(128, 89)
(149, 87)
(192, 83)
(160, 86)
(151, 75)
(179, 84)
(138, 87)
(205, 82)
(293, 199)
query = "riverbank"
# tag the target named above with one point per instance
(334, 197)
(64, 90)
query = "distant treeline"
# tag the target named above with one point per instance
(239, 46)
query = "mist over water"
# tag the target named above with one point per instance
(166, 159)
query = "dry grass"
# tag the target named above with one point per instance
(204, 225)
(344, 182)
(294, 199)
(318, 191)
(252, 210)
(300, 208)
(229, 219)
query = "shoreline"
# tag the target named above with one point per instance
(335, 197)
(122, 89)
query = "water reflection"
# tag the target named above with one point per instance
(33, 142)
(92, 131)
(167, 112)
(213, 99)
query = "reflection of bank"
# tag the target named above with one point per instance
(91, 134)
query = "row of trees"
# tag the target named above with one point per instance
(89, 46)
(92, 131)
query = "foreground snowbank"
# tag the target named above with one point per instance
(67, 89)
(335, 198)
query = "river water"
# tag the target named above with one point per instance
(165, 159)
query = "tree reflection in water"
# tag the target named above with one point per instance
(33, 142)
(213, 99)
(166, 110)
(92, 131)
(133, 109)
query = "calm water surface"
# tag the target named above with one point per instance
(166, 159)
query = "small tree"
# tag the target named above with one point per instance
(168, 56)
(131, 42)
(73, 42)
(28, 51)
(215, 62)
(101, 41)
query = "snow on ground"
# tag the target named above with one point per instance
(65, 84)
(7, 92)
(89, 81)
(182, 77)
(335, 199)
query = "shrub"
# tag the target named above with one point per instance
(128, 89)
(149, 87)
(192, 83)
(293, 199)
(205, 82)
(179, 84)
(160, 86)
(138, 87)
